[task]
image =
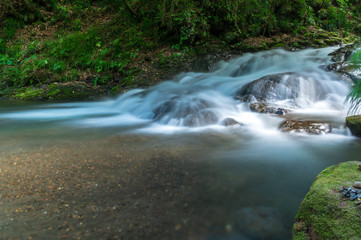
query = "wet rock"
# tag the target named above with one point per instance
(344, 53)
(357, 185)
(257, 61)
(270, 88)
(210, 61)
(260, 222)
(201, 118)
(354, 124)
(192, 113)
(230, 122)
(267, 108)
(309, 127)
(347, 70)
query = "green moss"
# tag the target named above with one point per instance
(324, 213)
(72, 91)
(30, 94)
(354, 124)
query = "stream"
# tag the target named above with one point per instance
(238, 175)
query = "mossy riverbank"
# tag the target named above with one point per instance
(325, 213)
(110, 48)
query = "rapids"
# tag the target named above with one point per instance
(267, 171)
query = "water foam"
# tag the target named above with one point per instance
(203, 100)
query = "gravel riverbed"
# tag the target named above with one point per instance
(107, 188)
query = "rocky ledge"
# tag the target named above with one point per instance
(354, 124)
(327, 212)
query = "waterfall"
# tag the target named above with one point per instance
(295, 82)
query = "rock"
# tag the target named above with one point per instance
(349, 71)
(267, 108)
(354, 124)
(260, 222)
(30, 94)
(201, 118)
(270, 88)
(344, 53)
(205, 63)
(324, 213)
(357, 185)
(73, 91)
(351, 193)
(192, 113)
(309, 127)
(209, 62)
(230, 122)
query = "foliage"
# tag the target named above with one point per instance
(97, 41)
(354, 96)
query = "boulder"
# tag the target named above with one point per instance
(325, 213)
(201, 118)
(194, 112)
(344, 53)
(273, 87)
(347, 70)
(209, 62)
(230, 122)
(309, 127)
(350, 72)
(267, 108)
(354, 124)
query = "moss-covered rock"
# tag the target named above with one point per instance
(72, 91)
(30, 94)
(59, 91)
(325, 214)
(354, 124)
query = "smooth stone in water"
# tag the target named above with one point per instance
(281, 86)
(309, 127)
(230, 122)
(261, 107)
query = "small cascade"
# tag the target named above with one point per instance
(283, 82)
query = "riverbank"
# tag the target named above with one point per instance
(326, 213)
(83, 51)
(165, 63)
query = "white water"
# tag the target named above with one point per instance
(257, 165)
(196, 101)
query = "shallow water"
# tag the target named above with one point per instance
(252, 177)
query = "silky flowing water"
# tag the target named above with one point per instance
(243, 181)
